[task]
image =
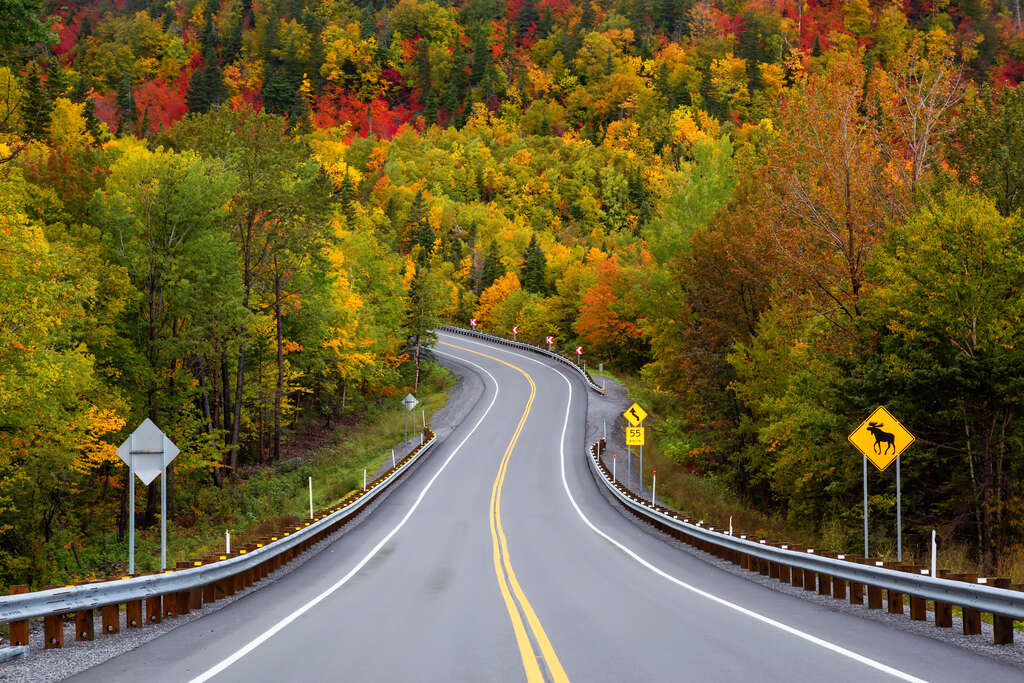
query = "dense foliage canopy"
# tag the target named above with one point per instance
(240, 218)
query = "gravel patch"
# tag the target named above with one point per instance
(610, 407)
(42, 666)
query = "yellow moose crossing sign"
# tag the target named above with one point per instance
(881, 438)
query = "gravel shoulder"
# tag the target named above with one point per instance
(42, 666)
(606, 412)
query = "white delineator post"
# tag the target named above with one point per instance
(364, 480)
(654, 483)
(613, 468)
(730, 525)
(935, 552)
(227, 542)
(311, 497)
(392, 458)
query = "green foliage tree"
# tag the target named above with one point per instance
(533, 275)
(991, 150)
(36, 106)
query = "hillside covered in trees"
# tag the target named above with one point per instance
(239, 218)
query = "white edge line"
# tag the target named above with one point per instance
(838, 649)
(276, 628)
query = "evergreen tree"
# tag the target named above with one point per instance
(92, 124)
(493, 267)
(420, 319)
(527, 19)
(547, 22)
(347, 194)
(533, 274)
(126, 104)
(481, 55)
(428, 95)
(36, 106)
(206, 87)
(418, 228)
(56, 82)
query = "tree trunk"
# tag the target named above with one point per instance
(416, 383)
(279, 387)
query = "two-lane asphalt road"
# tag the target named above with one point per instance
(499, 559)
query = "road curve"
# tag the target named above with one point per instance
(498, 559)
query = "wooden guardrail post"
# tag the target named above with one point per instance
(874, 592)
(918, 605)
(84, 625)
(838, 584)
(810, 578)
(971, 618)
(784, 573)
(53, 631)
(825, 580)
(796, 574)
(133, 614)
(895, 598)
(1002, 627)
(943, 610)
(111, 619)
(19, 629)
(170, 605)
(154, 613)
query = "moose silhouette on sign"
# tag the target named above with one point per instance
(882, 437)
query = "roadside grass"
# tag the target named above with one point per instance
(258, 501)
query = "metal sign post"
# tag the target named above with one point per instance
(163, 501)
(131, 506)
(899, 515)
(866, 506)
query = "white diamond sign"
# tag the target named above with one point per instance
(410, 401)
(152, 449)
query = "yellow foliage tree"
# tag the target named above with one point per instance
(494, 296)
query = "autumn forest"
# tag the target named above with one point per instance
(244, 218)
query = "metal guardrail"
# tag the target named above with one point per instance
(198, 583)
(785, 562)
(526, 347)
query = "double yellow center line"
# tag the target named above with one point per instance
(508, 584)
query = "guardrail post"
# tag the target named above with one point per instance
(181, 601)
(1002, 627)
(111, 619)
(810, 578)
(53, 631)
(133, 614)
(895, 601)
(824, 584)
(918, 605)
(154, 613)
(971, 618)
(874, 597)
(19, 629)
(838, 584)
(943, 610)
(170, 605)
(84, 625)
